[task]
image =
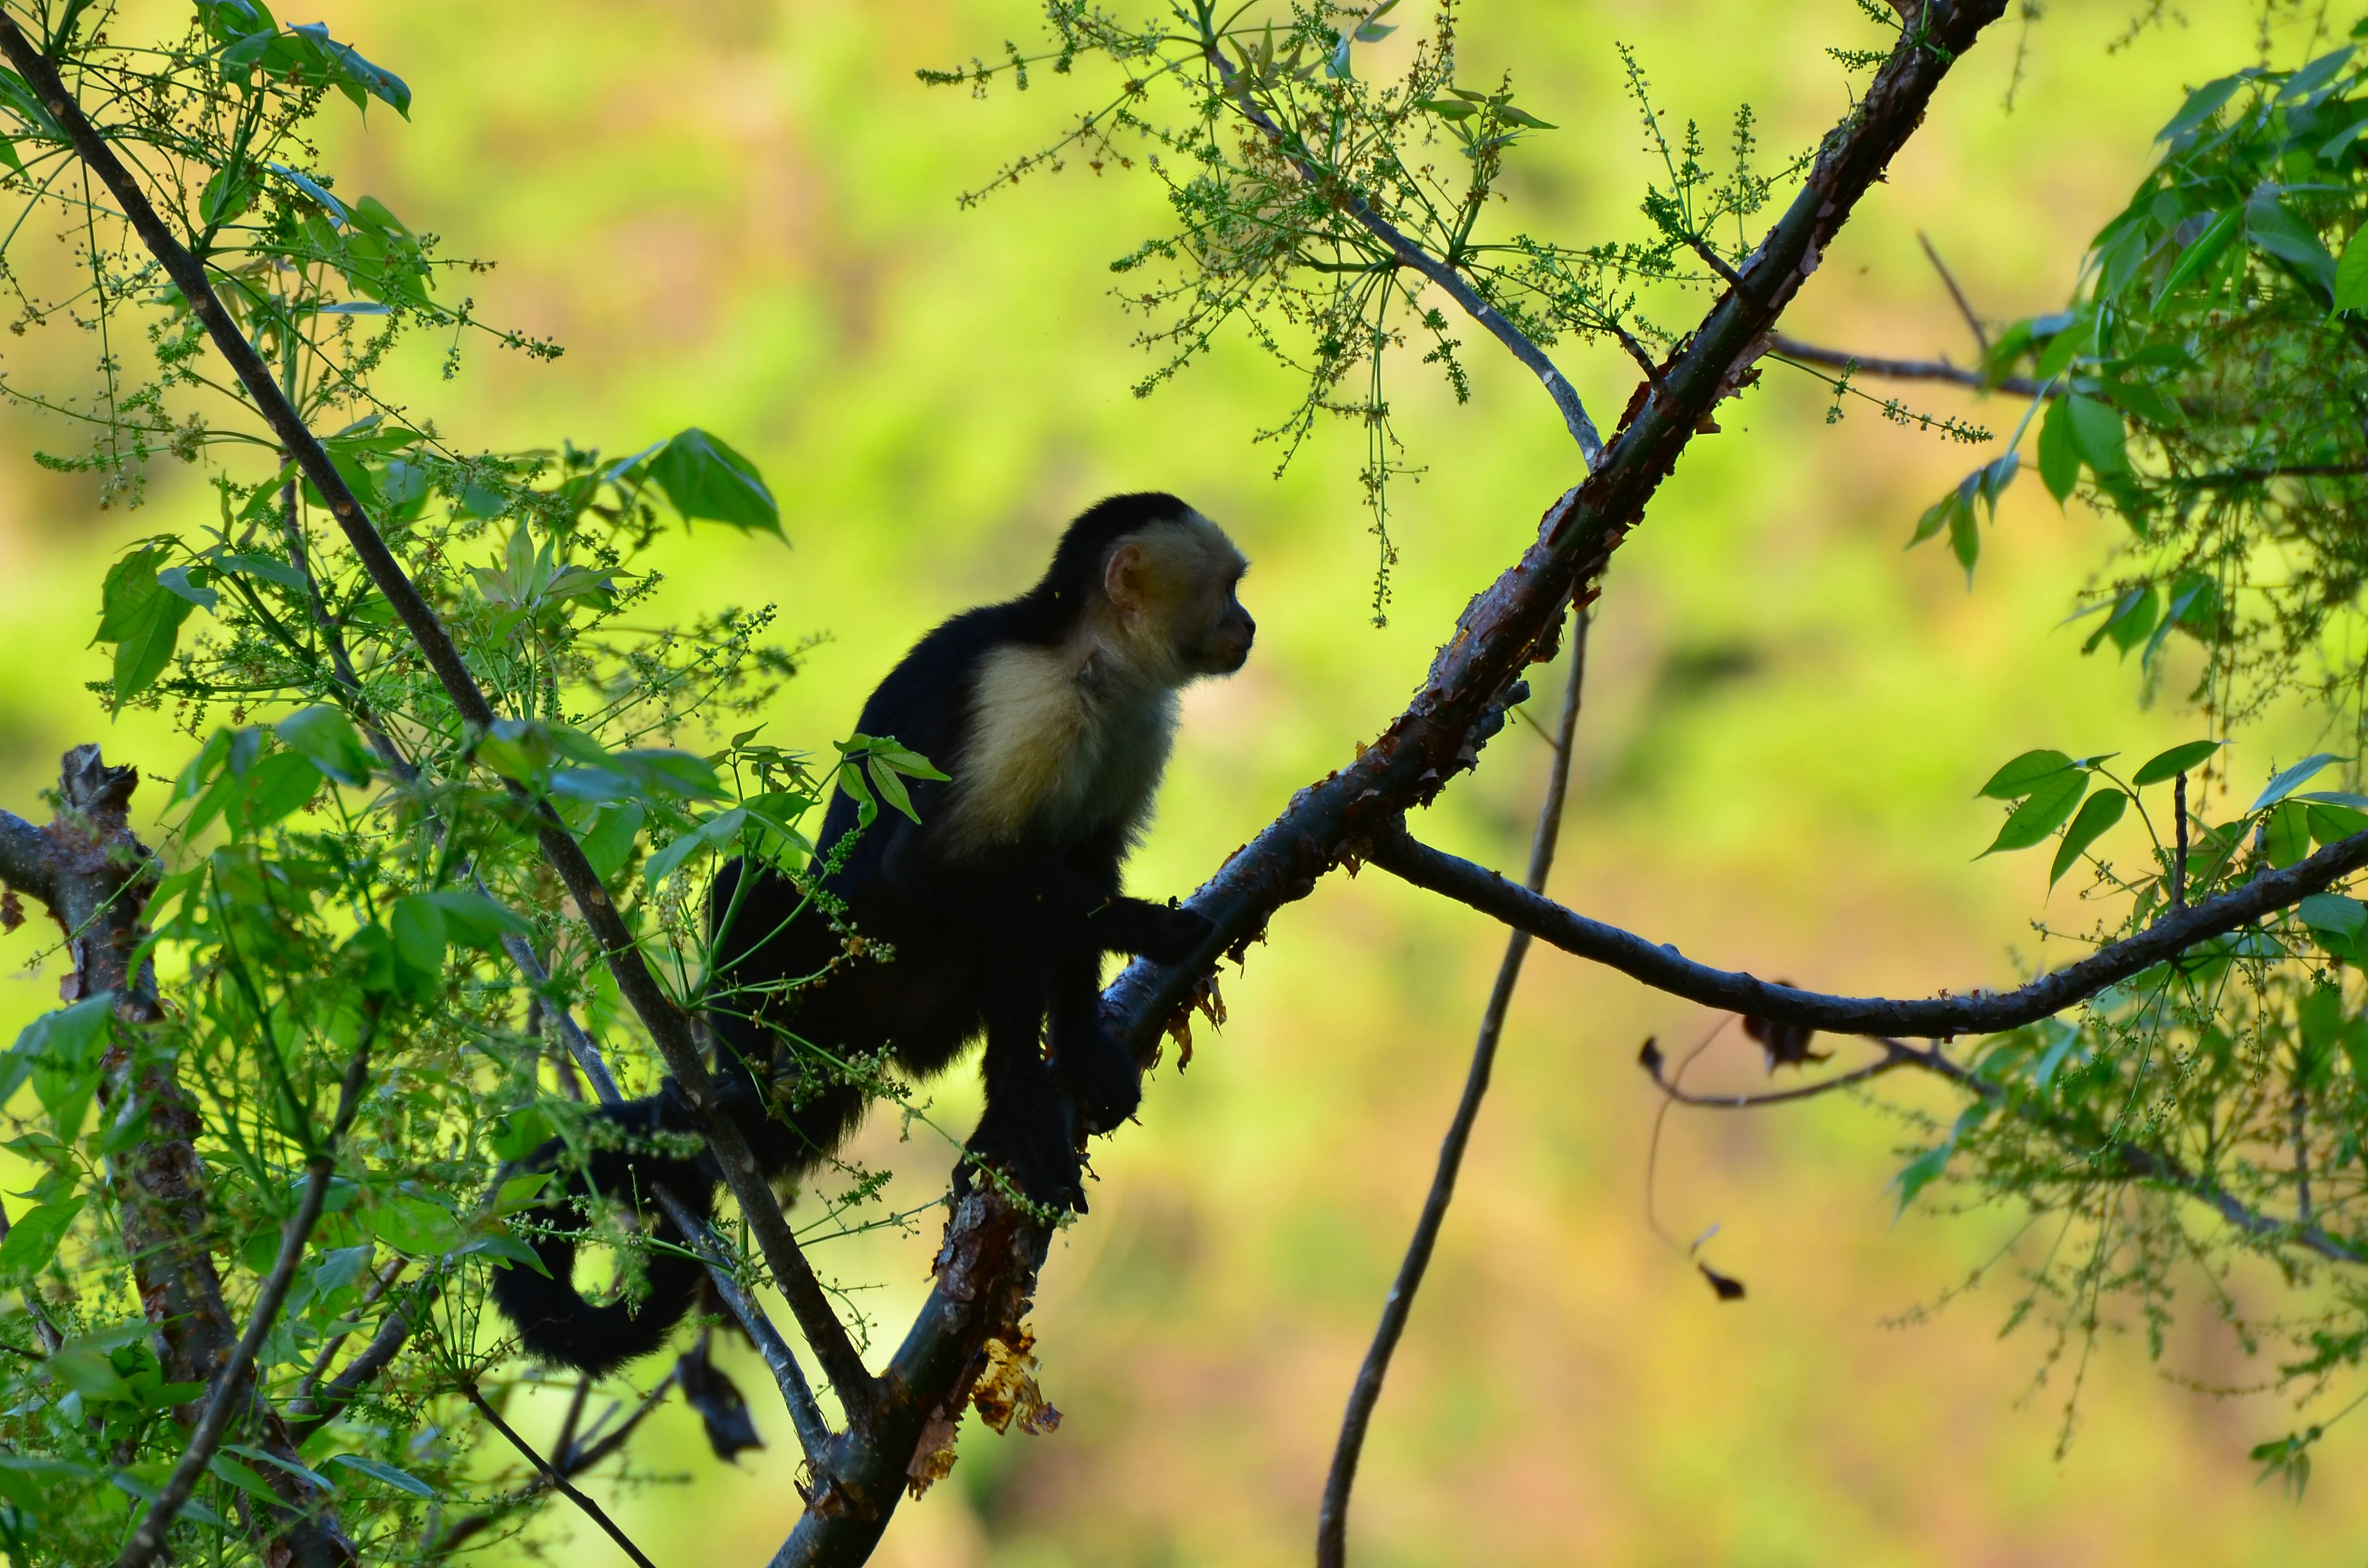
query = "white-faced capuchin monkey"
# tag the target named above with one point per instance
(1053, 715)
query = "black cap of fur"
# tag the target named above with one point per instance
(1050, 606)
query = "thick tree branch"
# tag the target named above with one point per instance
(94, 875)
(24, 858)
(988, 1265)
(669, 1025)
(1937, 1017)
(1332, 1518)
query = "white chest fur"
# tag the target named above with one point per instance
(1053, 742)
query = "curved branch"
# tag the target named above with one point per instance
(1939, 1017)
(1443, 273)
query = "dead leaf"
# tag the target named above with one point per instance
(933, 1455)
(1007, 1391)
(1787, 1044)
(719, 1402)
(12, 910)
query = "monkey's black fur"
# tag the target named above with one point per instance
(1002, 939)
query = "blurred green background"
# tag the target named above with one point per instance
(742, 215)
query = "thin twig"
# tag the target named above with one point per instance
(571, 1465)
(1895, 1056)
(1786, 347)
(1443, 273)
(1332, 1520)
(2178, 855)
(230, 1383)
(299, 1403)
(1965, 306)
(814, 1432)
(559, 1482)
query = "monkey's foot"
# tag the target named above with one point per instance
(1100, 1076)
(1038, 1153)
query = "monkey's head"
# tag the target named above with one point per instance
(1162, 583)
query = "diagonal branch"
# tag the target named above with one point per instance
(991, 1252)
(559, 1482)
(1939, 1017)
(668, 1027)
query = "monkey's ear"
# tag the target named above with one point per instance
(1122, 576)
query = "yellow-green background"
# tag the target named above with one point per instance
(742, 215)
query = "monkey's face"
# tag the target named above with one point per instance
(1176, 587)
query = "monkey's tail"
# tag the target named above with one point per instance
(555, 1323)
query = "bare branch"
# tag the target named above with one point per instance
(1894, 1055)
(1785, 347)
(1439, 272)
(1965, 306)
(1939, 1017)
(1332, 1519)
(668, 1027)
(559, 1482)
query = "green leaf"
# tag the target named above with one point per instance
(521, 1133)
(476, 921)
(2207, 248)
(2059, 460)
(2352, 271)
(704, 478)
(277, 786)
(2293, 779)
(142, 618)
(411, 1225)
(385, 1472)
(2098, 813)
(2176, 760)
(614, 833)
(2133, 617)
(416, 926)
(2286, 836)
(2042, 813)
(2097, 434)
(714, 833)
(326, 737)
(264, 566)
(2332, 824)
(2334, 912)
(2274, 229)
(355, 76)
(2025, 774)
(85, 1369)
(1448, 109)
(2201, 105)
(33, 1238)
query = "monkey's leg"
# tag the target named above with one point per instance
(1026, 1129)
(1090, 1061)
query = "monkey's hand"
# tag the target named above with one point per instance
(1162, 934)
